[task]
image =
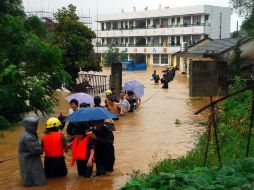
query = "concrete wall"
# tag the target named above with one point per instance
(214, 20)
(207, 78)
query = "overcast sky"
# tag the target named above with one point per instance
(115, 6)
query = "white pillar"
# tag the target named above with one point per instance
(188, 67)
(181, 65)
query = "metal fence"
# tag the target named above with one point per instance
(92, 83)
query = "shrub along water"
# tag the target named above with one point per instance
(187, 172)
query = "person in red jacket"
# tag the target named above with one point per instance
(54, 144)
(83, 152)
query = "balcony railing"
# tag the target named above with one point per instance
(156, 26)
(138, 45)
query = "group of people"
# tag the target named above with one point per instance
(90, 142)
(168, 76)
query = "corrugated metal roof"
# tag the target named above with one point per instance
(216, 46)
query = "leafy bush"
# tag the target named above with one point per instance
(236, 174)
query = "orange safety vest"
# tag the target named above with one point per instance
(52, 144)
(79, 149)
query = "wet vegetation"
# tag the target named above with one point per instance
(35, 61)
(187, 172)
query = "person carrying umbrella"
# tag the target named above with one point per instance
(102, 135)
(54, 143)
(104, 148)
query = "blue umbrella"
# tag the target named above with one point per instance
(134, 86)
(90, 114)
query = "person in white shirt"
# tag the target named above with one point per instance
(124, 103)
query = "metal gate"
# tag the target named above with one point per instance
(92, 83)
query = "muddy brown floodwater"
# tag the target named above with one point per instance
(142, 138)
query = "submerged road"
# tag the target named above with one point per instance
(143, 137)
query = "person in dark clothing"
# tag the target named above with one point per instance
(84, 105)
(54, 144)
(156, 77)
(83, 153)
(104, 148)
(61, 118)
(131, 98)
(165, 81)
(97, 101)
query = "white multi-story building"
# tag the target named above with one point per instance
(154, 36)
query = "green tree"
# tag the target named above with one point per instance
(112, 55)
(245, 9)
(236, 58)
(30, 67)
(34, 25)
(12, 7)
(75, 40)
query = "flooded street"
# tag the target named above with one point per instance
(143, 137)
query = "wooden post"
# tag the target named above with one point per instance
(215, 131)
(207, 141)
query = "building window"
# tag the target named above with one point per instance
(196, 20)
(164, 58)
(196, 38)
(172, 21)
(172, 41)
(178, 21)
(187, 40)
(206, 18)
(186, 21)
(156, 59)
(178, 40)
(164, 22)
(115, 25)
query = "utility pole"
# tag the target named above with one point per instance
(220, 23)
(97, 28)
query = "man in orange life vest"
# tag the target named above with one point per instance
(54, 143)
(83, 152)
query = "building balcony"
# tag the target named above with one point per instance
(141, 50)
(138, 45)
(155, 26)
(163, 31)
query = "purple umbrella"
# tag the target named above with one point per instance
(81, 97)
(134, 86)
